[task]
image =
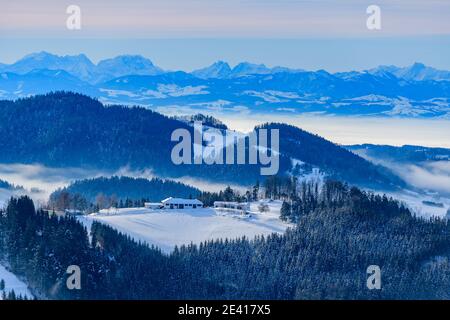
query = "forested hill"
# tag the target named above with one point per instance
(65, 129)
(72, 130)
(337, 162)
(80, 193)
(68, 129)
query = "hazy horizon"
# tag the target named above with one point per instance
(189, 34)
(333, 55)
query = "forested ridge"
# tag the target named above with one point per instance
(339, 232)
(106, 192)
(65, 129)
(8, 186)
(337, 162)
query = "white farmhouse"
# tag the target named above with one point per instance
(179, 203)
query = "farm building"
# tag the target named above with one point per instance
(153, 205)
(179, 203)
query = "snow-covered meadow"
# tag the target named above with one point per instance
(169, 228)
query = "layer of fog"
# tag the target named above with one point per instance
(432, 176)
(40, 181)
(354, 130)
(5, 195)
(198, 183)
(428, 181)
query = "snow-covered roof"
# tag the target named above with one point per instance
(181, 201)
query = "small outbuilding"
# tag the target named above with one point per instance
(232, 207)
(153, 205)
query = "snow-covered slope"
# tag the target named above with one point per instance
(416, 202)
(169, 228)
(13, 283)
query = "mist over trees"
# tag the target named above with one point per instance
(8, 186)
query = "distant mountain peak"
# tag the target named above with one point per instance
(42, 55)
(220, 63)
(418, 71)
(249, 65)
(127, 59)
(124, 65)
(222, 70)
(83, 57)
(38, 55)
(131, 58)
(247, 68)
(219, 69)
(418, 65)
(82, 67)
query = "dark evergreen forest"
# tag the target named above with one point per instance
(338, 232)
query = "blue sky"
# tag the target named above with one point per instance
(188, 34)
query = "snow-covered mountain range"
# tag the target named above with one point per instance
(414, 91)
(82, 67)
(417, 72)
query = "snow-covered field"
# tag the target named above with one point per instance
(168, 228)
(13, 283)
